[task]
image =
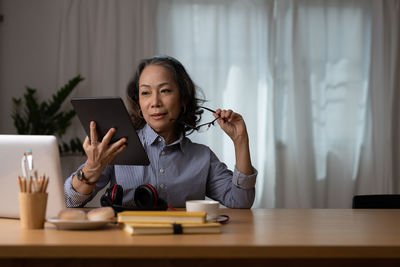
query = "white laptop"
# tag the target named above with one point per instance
(46, 159)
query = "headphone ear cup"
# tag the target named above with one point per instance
(117, 195)
(112, 196)
(105, 199)
(162, 204)
(146, 197)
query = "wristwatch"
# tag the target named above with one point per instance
(81, 177)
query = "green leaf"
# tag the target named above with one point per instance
(76, 146)
(32, 116)
(59, 97)
(65, 147)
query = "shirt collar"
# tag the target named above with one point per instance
(150, 137)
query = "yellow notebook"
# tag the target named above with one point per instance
(169, 228)
(162, 216)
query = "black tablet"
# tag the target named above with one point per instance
(110, 112)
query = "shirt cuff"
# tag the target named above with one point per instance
(244, 181)
(74, 198)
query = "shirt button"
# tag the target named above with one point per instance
(163, 152)
(159, 139)
(161, 186)
(162, 170)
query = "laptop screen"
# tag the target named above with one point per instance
(46, 159)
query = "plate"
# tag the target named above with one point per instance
(78, 225)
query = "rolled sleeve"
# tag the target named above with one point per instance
(244, 181)
(73, 198)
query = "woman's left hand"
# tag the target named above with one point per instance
(232, 124)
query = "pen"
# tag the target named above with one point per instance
(29, 157)
(23, 166)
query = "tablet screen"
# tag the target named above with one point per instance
(110, 112)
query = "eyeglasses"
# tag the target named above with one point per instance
(202, 127)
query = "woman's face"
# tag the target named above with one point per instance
(159, 99)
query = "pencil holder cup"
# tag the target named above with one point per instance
(32, 210)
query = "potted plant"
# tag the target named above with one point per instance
(35, 117)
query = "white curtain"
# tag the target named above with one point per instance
(381, 169)
(226, 47)
(316, 81)
(303, 74)
(104, 41)
(320, 85)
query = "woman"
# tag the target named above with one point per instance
(164, 108)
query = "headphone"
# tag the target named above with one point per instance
(146, 198)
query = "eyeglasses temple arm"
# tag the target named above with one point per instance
(213, 111)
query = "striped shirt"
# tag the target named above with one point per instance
(179, 171)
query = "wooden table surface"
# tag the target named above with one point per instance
(250, 234)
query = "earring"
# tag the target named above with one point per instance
(141, 114)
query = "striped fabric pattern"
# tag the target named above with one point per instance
(180, 171)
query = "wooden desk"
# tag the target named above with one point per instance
(279, 237)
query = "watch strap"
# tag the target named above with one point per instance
(82, 178)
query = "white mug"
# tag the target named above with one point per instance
(209, 206)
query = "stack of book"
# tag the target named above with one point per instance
(166, 222)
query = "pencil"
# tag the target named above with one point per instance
(46, 182)
(40, 182)
(20, 183)
(29, 185)
(34, 185)
(23, 184)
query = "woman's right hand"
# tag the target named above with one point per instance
(100, 154)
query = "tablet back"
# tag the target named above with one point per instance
(46, 159)
(110, 112)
